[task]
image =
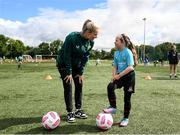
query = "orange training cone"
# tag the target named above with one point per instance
(148, 77)
(48, 77)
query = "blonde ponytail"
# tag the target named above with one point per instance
(89, 26)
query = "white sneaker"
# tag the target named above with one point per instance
(80, 114)
(124, 122)
(71, 117)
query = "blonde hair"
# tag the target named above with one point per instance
(89, 26)
(173, 46)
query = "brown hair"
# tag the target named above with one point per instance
(126, 40)
(89, 26)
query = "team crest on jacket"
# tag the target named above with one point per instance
(77, 46)
(89, 47)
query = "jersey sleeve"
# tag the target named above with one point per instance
(68, 45)
(130, 59)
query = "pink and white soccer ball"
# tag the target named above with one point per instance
(51, 120)
(104, 121)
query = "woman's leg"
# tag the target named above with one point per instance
(171, 70)
(78, 92)
(175, 70)
(79, 113)
(68, 95)
(67, 91)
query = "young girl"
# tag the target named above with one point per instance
(173, 61)
(125, 58)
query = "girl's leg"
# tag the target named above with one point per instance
(112, 97)
(111, 94)
(127, 103)
(127, 107)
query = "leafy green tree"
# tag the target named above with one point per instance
(15, 48)
(44, 48)
(162, 50)
(55, 45)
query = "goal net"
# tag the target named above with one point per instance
(27, 58)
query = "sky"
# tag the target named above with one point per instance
(36, 21)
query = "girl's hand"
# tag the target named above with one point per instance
(116, 77)
(81, 78)
(68, 78)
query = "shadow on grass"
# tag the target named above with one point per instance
(164, 78)
(163, 94)
(69, 128)
(8, 122)
(64, 129)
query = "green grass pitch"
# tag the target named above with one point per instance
(25, 96)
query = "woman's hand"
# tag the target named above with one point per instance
(116, 77)
(68, 78)
(81, 78)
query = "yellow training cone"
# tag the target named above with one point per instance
(148, 77)
(48, 77)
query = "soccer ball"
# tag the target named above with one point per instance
(104, 121)
(51, 120)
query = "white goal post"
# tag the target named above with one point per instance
(38, 58)
(27, 58)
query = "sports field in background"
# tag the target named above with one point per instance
(25, 96)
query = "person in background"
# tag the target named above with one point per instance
(19, 60)
(146, 61)
(1, 60)
(97, 61)
(173, 61)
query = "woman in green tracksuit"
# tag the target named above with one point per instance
(71, 60)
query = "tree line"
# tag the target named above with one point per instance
(11, 48)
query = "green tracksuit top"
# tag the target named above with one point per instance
(74, 53)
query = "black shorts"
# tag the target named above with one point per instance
(173, 62)
(127, 81)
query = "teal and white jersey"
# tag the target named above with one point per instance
(122, 59)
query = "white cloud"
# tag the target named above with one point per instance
(114, 17)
